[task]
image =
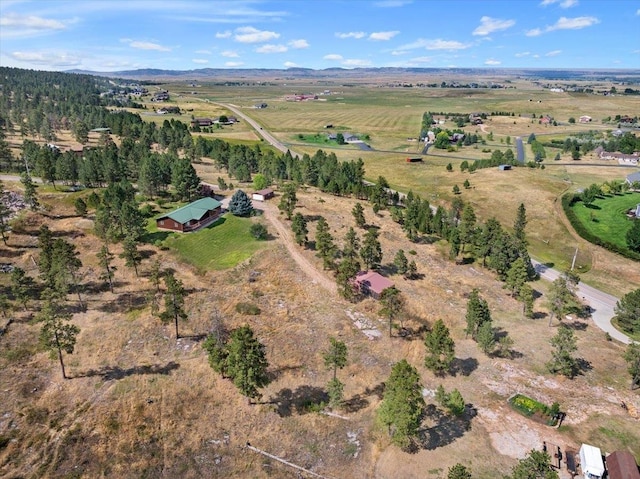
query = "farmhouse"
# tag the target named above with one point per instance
(584, 119)
(348, 137)
(545, 120)
(262, 195)
(191, 217)
(622, 465)
(372, 283)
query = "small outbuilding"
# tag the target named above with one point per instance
(191, 217)
(622, 465)
(591, 463)
(504, 167)
(262, 195)
(372, 283)
(414, 159)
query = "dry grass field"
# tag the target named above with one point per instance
(141, 404)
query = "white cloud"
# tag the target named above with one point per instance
(489, 25)
(333, 57)
(200, 60)
(562, 3)
(553, 53)
(229, 54)
(146, 46)
(298, 44)
(225, 34)
(638, 11)
(565, 23)
(536, 56)
(14, 25)
(383, 35)
(576, 23)
(522, 54)
(356, 35)
(392, 3)
(492, 62)
(233, 64)
(203, 52)
(290, 65)
(397, 53)
(440, 44)
(268, 48)
(51, 59)
(253, 35)
(355, 62)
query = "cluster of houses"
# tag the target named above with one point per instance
(162, 95)
(622, 158)
(166, 110)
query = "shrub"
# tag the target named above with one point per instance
(249, 309)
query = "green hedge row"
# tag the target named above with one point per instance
(568, 200)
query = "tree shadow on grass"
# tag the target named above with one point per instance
(116, 372)
(276, 373)
(576, 325)
(123, 303)
(593, 207)
(463, 366)
(583, 366)
(446, 429)
(301, 401)
(360, 401)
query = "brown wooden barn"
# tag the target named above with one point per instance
(191, 217)
(622, 465)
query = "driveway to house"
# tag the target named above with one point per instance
(520, 150)
(602, 304)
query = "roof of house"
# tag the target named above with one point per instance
(192, 211)
(265, 192)
(622, 465)
(633, 177)
(375, 282)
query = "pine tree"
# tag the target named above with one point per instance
(104, 259)
(22, 286)
(240, 204)
(351, 246)
(477, 313)
(324, 244)
(537, 464)
(520, 224)
(561, 298)
(174, 301)
(81, 207)
(65, 268)
(57, 335)
(486, 337)
(517, 277)
(632, 358)
(347, 271)
(130, 253)
(4, 214)
(184, 179)
(30, 197)
(392, 305)
(335, 390)
(412, 270)
(288, 200)
(403, 404)
(336, 356)
(562, 360)
(458, 471)
(371, 251)
(358, 215)
(246, 362)
(467, 226)
(440, 348)
(299, 228)
(526, 296)
(400, 262)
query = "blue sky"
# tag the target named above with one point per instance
(111, 35)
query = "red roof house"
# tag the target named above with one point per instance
(372, 283)
(622, 465)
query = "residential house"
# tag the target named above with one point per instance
(456, 137)
(545, 120)
(350, 137)
(372, 283)
(622, 465)
(191, 217)
(160, 96)
(584, 119)
(201, 122)
(633, 178)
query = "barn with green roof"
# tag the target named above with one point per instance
(191, 217)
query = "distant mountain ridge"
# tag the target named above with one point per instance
(367, 73)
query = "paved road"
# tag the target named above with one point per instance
(602, 304)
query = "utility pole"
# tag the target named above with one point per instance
(575, 255)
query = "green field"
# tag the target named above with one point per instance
(605, 218)
(219, 246)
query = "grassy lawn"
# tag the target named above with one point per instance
(221, 245)
(605, 218)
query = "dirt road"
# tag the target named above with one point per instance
(271, 213)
